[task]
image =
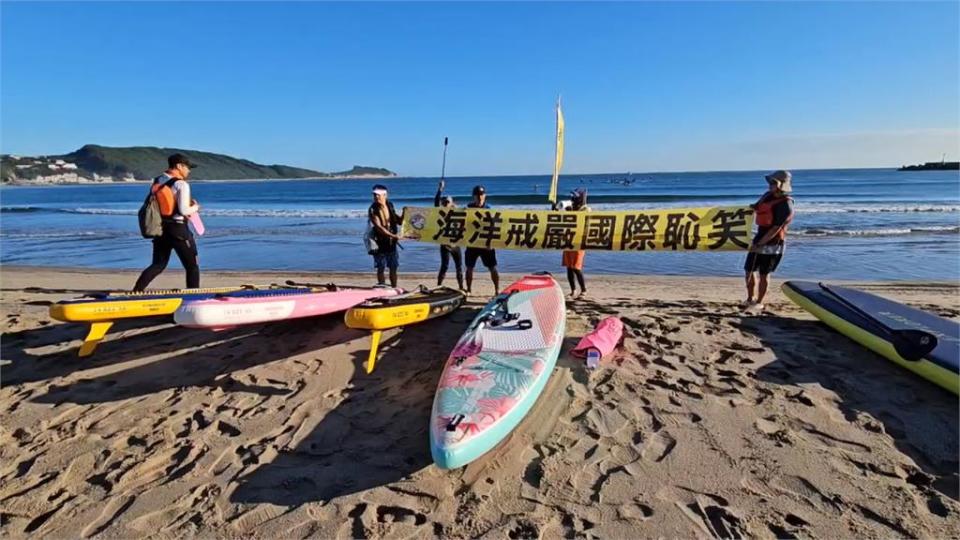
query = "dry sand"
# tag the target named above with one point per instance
(710, 423)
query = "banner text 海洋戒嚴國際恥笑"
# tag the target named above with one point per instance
(724, 228)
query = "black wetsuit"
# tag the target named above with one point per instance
(447, 253)
(176, 237)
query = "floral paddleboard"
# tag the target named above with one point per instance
(497, 370)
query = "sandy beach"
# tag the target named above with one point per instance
(710, 423)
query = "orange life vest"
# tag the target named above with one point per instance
(165, 198)
(764, 213)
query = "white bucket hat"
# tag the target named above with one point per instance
(783, 180)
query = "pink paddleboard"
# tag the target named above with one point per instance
(227, 312)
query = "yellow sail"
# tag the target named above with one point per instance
(559, 161)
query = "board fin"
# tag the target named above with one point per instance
(96, 334)
(374, 346)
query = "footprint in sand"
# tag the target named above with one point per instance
(658, 447)
(721, 356)
(773, 430)
(790, 528)
(713, 518)
(804, 490)
(399, 514)
(111, 510)
(810, 432)
(634, 512)
(802, 398)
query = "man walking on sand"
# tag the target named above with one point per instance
(774, 212)
(486, 255)
(176, 205)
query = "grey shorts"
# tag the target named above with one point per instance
(386, 260)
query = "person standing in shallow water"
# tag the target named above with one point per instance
(486, 255)
(176, 234)
(386, 223)
(448, 252)
(773, 214)
(573, 260)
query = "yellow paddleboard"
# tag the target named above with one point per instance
(101, 311)
(397, 311)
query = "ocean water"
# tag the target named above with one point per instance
(870, 224)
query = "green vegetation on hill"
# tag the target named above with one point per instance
(145, 162)
(360, 170)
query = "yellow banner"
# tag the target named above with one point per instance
(724, 228)
(558, 162)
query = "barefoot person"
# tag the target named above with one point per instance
(573, 260)
(176, 205)
(386, 223)
(448, 252)
(487, 256)
(774, 212)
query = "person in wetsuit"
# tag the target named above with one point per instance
(573, 260)
(448, 252)
(176, 234)
(486, 255)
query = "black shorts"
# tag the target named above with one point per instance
(487, 256)
(765, 264)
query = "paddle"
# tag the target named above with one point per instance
(912, 345)
(327, 286)
(443, 168)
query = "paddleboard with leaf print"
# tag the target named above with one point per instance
(497, 370)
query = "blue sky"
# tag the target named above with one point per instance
(646, 86)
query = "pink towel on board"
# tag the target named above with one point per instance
(604, 338)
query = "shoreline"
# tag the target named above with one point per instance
(197, 181)
(709, 421)
(486, 176)
(482, 276)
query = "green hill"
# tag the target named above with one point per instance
(93, 162)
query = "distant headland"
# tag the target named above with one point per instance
(94, 164)
(933, 166)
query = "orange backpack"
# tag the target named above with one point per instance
(164, 194)
(158, 205)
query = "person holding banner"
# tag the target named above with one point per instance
(386, 223)
(774, 212)
(448, 252)
(573, 260)
(486, 255)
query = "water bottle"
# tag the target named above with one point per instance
(593, 358)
